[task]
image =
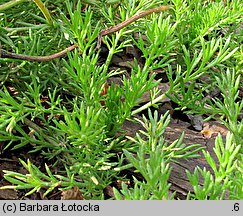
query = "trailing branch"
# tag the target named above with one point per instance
(6, 54)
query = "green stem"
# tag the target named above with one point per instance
(44, 10)
(18, 29)
(149, 104)
(39, 130)
(10, 4)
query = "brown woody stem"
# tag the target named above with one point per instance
(5, 54)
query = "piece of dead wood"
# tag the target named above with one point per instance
(178, 178)
(213, 129)
(72, 194)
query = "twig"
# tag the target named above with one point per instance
(5, 54)
(129, 21)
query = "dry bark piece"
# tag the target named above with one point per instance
(109, 191)
(8, 194)
(72, 194)
(213, 128)
(196, 122)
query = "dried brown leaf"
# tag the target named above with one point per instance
(72, 194)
